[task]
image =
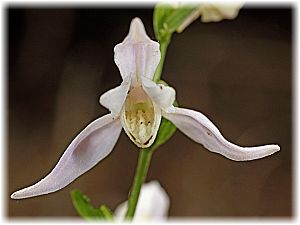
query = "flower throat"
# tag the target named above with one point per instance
(138, 117)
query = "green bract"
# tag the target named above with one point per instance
(168, 17)
(85, 209)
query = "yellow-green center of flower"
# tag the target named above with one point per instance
(138, 117)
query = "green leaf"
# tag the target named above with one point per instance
(84, 208)
(107, 212)
(168, 17)
(176, 18)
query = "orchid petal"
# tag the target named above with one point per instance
(93, 144)
(115, 98)
(215, 12)
(200, 129)
(137, 55)
(162, 95)
(153, 204)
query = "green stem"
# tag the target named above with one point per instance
(139, 178)
(163, 51)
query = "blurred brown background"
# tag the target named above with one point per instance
(238, 73)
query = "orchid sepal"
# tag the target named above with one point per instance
(200, 129)
(89, 147)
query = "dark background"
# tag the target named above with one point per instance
(238, 73)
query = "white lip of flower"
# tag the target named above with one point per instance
(137, 105)
(153, 204)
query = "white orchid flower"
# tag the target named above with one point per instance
(137, 105)
(215, 12)
(153, 204)
(212, 12)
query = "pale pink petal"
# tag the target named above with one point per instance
(92, 145)
(137, 55)
(114, 98)
(162, 95)
(199, 128)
